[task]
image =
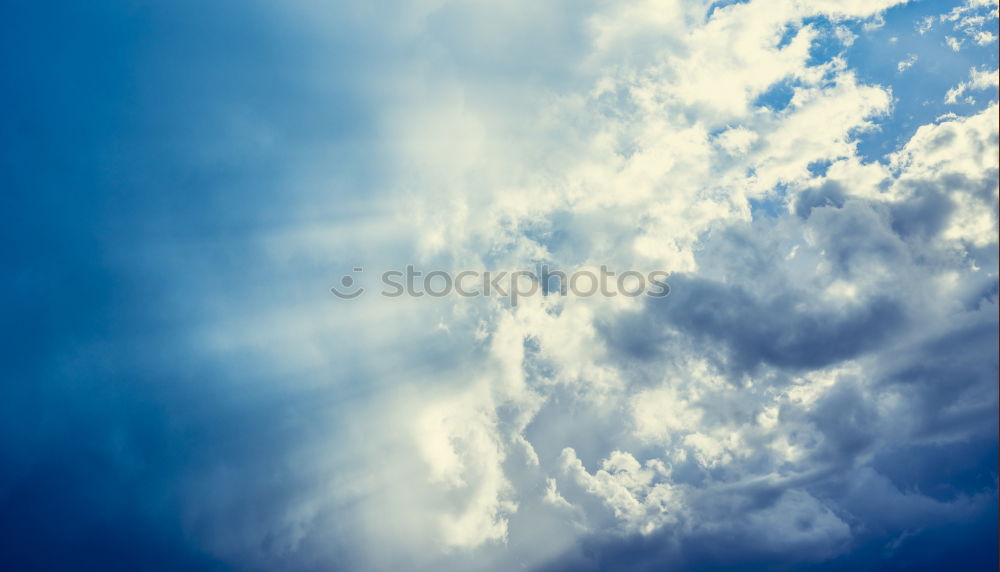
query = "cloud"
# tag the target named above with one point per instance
(978, 80)
(906, 64)
(831, 323)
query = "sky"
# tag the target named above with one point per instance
(183, 182)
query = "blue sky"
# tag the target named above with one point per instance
(182, 184)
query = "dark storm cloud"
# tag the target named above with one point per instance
(903, 453)
(830, 193)
(775, 331)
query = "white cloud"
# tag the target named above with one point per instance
(925, 25)
(652, 164)
(951, 154)
(972, 18)
(979, 79)
(772, 371)
(629, 489)
(906, 64)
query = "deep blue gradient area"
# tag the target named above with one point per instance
(88, 458)
(120, 151)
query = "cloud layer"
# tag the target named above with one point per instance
(819, 389)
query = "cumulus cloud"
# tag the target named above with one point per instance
(753, 410)
(979, 79)
(749, 403)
